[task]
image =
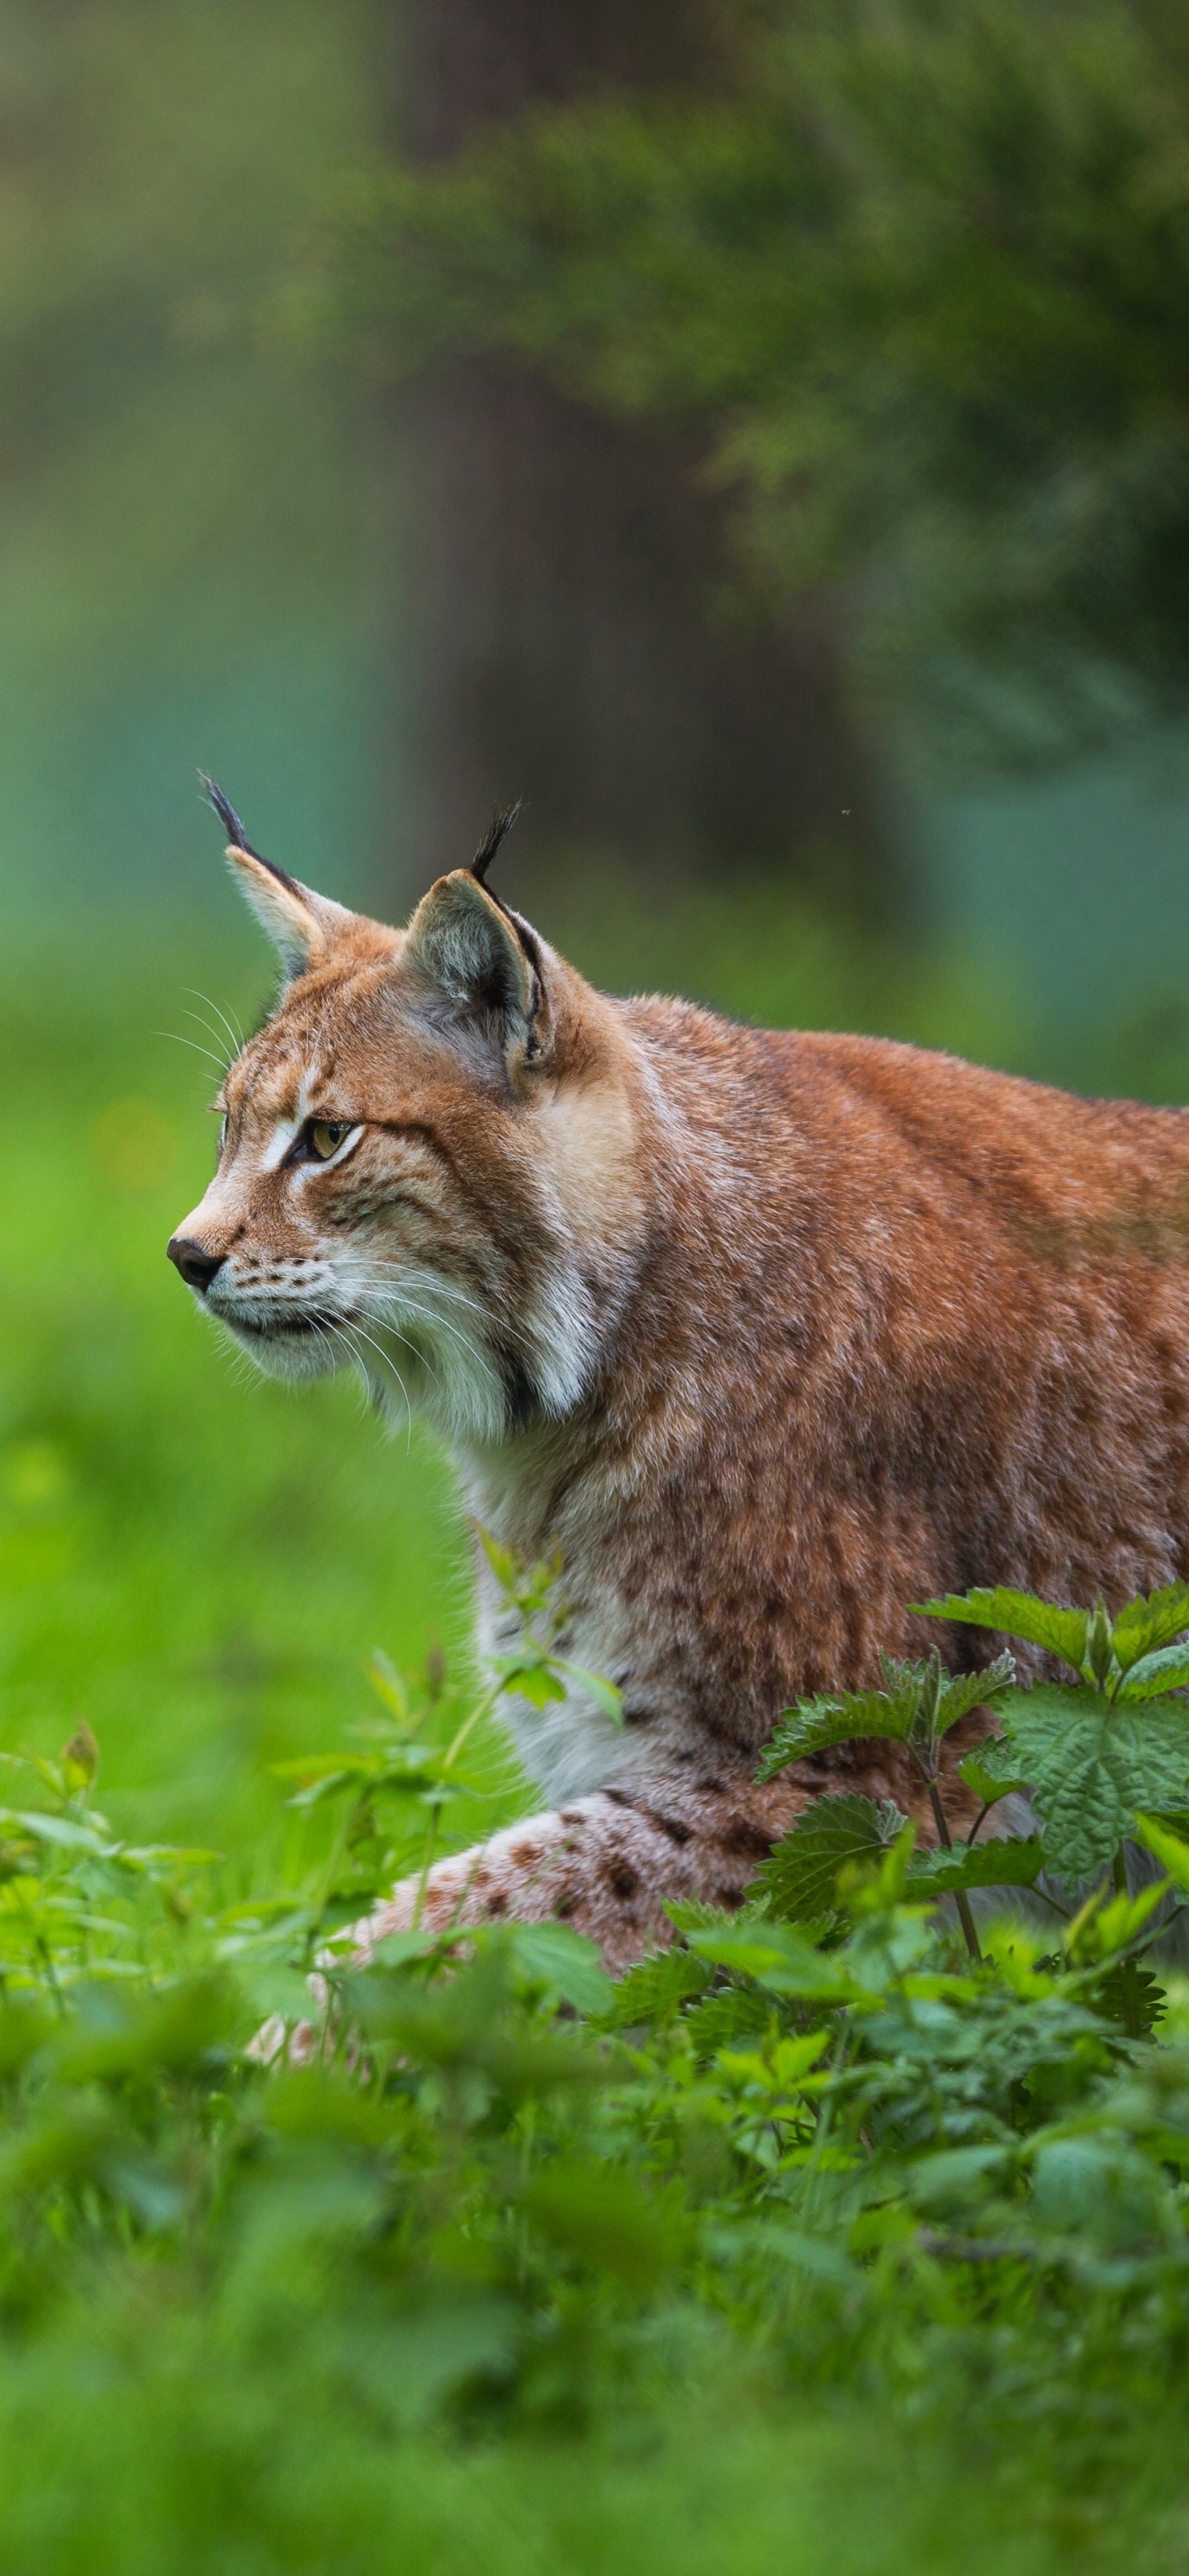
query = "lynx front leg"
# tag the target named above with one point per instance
(606, 1865)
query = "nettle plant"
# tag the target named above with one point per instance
(1102, 1758)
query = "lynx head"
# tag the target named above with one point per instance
(427, 1163)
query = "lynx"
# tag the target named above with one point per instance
(771, 1334)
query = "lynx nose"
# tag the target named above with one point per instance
(197, 1267)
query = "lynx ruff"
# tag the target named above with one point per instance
(770, 1334)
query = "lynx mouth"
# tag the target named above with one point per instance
(281, 1327)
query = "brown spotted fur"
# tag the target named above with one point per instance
(771, 1334)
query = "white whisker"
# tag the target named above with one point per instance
(178, 1040)
(322, 1333)
(422, 1357)
(225, 1060)
(346, 1335)
(452, 1294)
(235, 1034)
(425, 1315)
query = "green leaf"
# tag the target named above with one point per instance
(695, 1914)
(387, 1684)
(655, 1990)
(1171, 1850)
(992, 1770)
(604, 1693)
(59, 1830)
(1167, 1669)
(1130, 1993)
(776, 1957)
(1091, 1766)
(504, 1562)
(1005, 1861)
(899, 1714)
(531, 1676)
(817, 1724)
(1148, 1623)
(734, 2013)
(392, 1950)
(1017, 1614)
(800, 1877)
(565, 1962)
(974, 1690)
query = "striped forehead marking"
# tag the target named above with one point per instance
(287, 1129)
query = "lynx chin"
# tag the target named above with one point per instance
(771, 1334)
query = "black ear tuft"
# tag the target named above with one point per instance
(501, 825)
(237, 836)
(227, 816)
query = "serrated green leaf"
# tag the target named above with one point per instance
(974, 1690)
(654, 1991)
(1164, 1670)
(738, 2012)
(1129, 1994)
(800, 1877)
(1005, 1861)
(1148, 1623)
(992, 1770)
(696, 1914)
(1084, 1815)
(817, 1724)
(1017, 1614)
(1090, 1767)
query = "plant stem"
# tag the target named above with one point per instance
(945, 1837)
(482, 1708)
(1132, 2017)
(331, 1871)
(427, 1864)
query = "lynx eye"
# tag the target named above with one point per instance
(324, 1137)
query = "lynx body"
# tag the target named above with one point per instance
(771, 1334)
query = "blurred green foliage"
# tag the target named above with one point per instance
(920, 268)
(507, 2233)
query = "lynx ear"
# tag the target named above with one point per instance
(481, 962)
(300, 924)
